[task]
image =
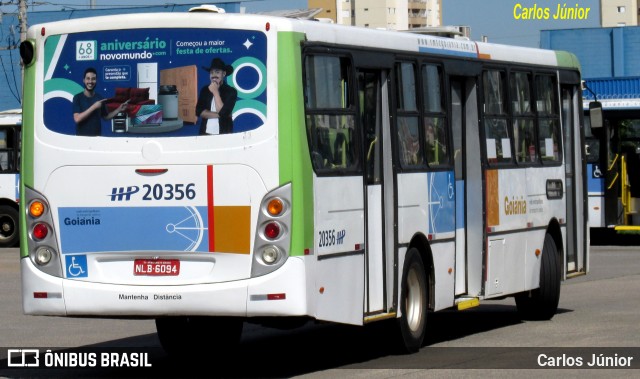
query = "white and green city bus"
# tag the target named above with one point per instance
(369, 176)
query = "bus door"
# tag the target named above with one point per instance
(378, 188)
(339, 200)
(575, 191)
(468, 174)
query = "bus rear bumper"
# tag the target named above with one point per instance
(280, 293)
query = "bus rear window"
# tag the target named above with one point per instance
(155, 82)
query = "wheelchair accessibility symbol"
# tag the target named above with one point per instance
(76, 266)
(596, 173)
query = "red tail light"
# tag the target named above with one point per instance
(272, 230)
(40, 231)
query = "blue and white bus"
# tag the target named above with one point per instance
(10, 123)
(613, 160)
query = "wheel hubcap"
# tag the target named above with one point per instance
(414, 304)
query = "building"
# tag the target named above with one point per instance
(603, 52)
(381, 14)
(390, 14)
(619, 13)
(608, 57)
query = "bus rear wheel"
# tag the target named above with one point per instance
(412, 324)
(217, 334)
(542, 303)
(9, 236)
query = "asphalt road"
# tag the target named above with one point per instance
(598, 314)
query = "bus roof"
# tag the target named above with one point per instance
(320, 32)
(614, 93)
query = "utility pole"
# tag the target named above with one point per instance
(354, 12)
(22, 16)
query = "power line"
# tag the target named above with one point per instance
(8, 80)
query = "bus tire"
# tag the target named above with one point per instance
(412, 324)
(178, 335)
(9, 236)
(542, 303)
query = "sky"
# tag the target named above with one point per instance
(39, 5)
(508, 21)
(501, 21)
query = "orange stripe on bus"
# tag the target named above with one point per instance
(492, 201)
(232, 229)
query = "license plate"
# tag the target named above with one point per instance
(156, 267)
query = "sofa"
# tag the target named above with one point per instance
(137, 98)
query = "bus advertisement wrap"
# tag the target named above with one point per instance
(159, 73)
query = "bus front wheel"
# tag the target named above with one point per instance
(413, 303)
(542, 303)
(217, 334)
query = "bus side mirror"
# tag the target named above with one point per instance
(595, 114)
(27, 52)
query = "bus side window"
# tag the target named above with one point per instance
(436, 143)
(434, 121)
(410, 149)
(524, 136)
(409, 141)
(340, 150)
(497, 135)
(4, 161)
(329, 114)
(323, 148)
(549, 138)
(520, 86)
(6, 150)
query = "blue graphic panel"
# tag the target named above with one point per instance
(595, 181)
(76, 266)
(442, 202)
(133, 228)
(470, 54)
